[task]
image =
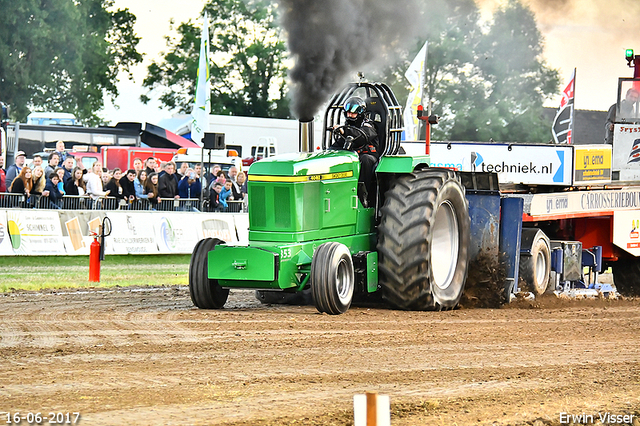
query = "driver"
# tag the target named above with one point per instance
(359, 135)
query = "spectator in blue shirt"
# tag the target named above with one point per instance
(226, 194)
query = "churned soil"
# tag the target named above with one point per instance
(146, 356)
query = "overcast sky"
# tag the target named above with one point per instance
(590, 35)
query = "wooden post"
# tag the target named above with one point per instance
(372, 408)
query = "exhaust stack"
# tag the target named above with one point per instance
(305, 131)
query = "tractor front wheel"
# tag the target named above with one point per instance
(205, 293)
(423, 241)
(332, 278)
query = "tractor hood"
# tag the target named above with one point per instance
(306, 166)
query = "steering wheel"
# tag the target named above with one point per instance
(336, 132)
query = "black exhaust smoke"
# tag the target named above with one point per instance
(330, 40)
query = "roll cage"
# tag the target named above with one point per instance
(382, 109)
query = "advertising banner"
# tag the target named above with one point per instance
(221, 227)
(585, 202)
(35, 232)
(68, 232)
(626, 151)
(530, 164)
(131, 233)
(626, 231)
(175, 232)
(5, 241)
(592, 164)
(76, 229)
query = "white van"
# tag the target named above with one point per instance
(193, 156)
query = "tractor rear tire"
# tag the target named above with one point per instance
(423, 241)
(535, 270)
(205, 293)
(332, 278)
(626, 276)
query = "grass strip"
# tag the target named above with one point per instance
(55, 272)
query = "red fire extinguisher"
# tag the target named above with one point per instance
(96, 250)
(94, 259)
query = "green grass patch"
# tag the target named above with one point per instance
(54, 272)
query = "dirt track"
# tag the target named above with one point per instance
(147, 357)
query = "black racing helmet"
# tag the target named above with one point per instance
(355, 104)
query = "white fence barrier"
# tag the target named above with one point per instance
(32, 232)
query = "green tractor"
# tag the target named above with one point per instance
(310, 231)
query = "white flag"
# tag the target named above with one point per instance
(415, 74)
(202, 105)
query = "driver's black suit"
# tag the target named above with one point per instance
(367, 149)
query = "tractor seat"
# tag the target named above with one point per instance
(377, 113)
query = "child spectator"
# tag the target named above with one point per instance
(61, 151)
(215, 205)
(61, 175)
(226, 194)
(54, 196)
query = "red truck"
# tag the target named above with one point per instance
(122, 156)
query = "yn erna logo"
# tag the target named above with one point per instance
(476, 160)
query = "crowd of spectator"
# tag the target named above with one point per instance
(150, 185)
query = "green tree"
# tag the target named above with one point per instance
(247, 55)
(486, 80)
(63, 55)
(515, 82)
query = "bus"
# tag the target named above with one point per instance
(42, 139)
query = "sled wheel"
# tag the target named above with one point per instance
(332, 278)
(205, 293)
(535, 269)
(626, 276)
